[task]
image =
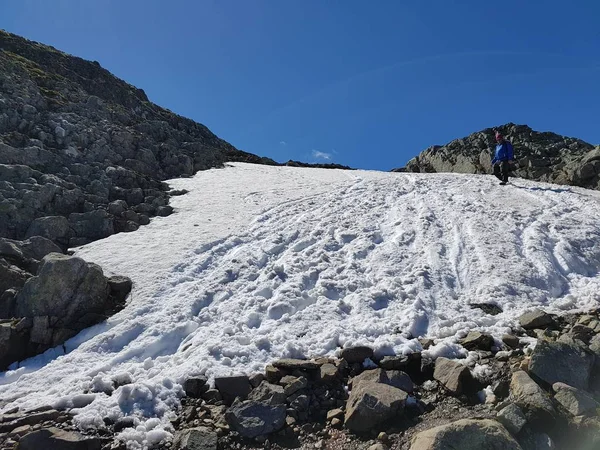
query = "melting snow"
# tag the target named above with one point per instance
(260, 262)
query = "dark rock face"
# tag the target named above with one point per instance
(541, 156)
(74, 140)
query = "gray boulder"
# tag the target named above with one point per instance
(531, 398)
(395, 378)
(455, 376)
(200, 438)
(252, 419)
(576, 401)
(266, 392)
(290, 365)
(120, 287)
(232, 387)
(55, 228)
(370, 404)
(476, 340)
(356, 354)
(92, 225)
(66, 287)
(512, 418)
(466, 434)
(57, 439)
(195, 386)
(535, 319)
(565, 360)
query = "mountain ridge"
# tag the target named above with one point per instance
(541, 156)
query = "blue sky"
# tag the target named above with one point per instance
(367, 84)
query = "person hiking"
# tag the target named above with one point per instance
(503, 156)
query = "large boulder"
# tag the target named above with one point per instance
(200, 438)
(535, 319)
(252, 418)
(57, 439)
(455, 376)
(55, 228)
(233, 387)
(466, 434)
(370, 404)
(531, 398)
(65, 287)
(564, 361)
(394, 378)
(92, 225)
(576, 401)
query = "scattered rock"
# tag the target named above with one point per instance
(531, 398)
(256, 379)
(195, 387)
(328, 373)
(453, 375)
(252, 419)
(511, 340)
(536, 319)
(200, 438)
(55, 438)
(120, 287)
(395, 378)
(125, 422)
(564, 360)
(488, 308)
(476, 340)
(512, 418)
(335, 413)
(291, 384)
(356, 354)
(266, 392)
(232, 387)
(370, 404)
(410, 364)
(291, 365)
(466, 434)
(576, 401)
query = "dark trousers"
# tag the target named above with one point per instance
(501, 169)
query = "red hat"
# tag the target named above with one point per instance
(499, 136)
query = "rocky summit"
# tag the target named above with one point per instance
(541, 156)
(82, 153)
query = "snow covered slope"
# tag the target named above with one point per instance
(265, 262)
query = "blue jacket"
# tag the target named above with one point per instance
(504, 152)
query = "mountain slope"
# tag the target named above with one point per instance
(307, 261)
(74, 138)
(544, 156)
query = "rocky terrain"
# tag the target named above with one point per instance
(504, 395)
(540, 156)
(82, 153)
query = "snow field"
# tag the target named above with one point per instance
(260, 263)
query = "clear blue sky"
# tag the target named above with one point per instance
(367, 84)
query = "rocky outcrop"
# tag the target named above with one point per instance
(541, 156)
(44, 303)
(74, 140)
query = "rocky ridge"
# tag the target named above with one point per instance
(510, 396)
(83, 154)
(545, 156)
